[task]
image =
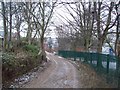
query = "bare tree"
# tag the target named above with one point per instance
(5, 26)
(18, 19)
(102, 33)
(117, 29)
(42, 19)
(90, 21)
(82, 23)
(10, 24)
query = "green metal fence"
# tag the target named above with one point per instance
(106, 65)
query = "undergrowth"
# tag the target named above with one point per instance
(13, 66)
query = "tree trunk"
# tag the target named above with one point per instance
(5, 28)
(18, 35)
(99, 47)
(118, 49)
(29, 33)
(42, 50)
(98, 29)
(100, 42)
(29, 20)
(102, 36)
(117, 35)
(10, 34)
(85, 44)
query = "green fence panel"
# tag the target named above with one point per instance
(100, 62)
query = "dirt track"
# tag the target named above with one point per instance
(60, 74)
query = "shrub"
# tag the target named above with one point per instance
(35, 42)
(12, 67)
(31, 48)
(6, 58)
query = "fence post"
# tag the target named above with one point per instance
(74, 58)
(98, 62)
(86, 57)
(91, 58)
(74, 54)
(97, 56)
(108, 63)
(118, 68)
(107, 69)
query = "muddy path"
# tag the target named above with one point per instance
(60, 74)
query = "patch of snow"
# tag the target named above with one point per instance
(23, 79)
(59, 57)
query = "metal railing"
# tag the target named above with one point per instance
(106, 65)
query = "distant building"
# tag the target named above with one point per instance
(51, 44)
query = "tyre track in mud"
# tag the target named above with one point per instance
(60, 74)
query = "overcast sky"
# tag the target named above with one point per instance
(60, 12)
